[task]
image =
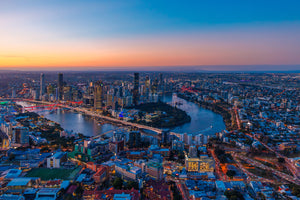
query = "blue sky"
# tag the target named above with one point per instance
(73, 33)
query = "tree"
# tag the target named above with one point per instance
(181, 155)
(69, 197)
(176, 193)
(233, 195)
(140, 114)
(219, 151)
(132, 184)
(118, 183)
(79, 190)
(11, 157)
(81, 136)
(45, 150)
(295, 190)
(281, 160)
(230, 173)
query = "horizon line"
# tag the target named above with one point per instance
(176, 68)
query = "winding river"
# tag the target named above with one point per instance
(202, 121)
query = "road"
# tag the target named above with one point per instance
(93, 114)
(249, 174)
(289, 164)
(181, 187)
(262, 166)
(221, 176)
(237, 119)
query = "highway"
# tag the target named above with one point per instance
(249, 174)
(289, 164)
(262, 166)
(94, 114)
(91, 113)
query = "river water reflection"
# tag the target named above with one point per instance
(202, 120)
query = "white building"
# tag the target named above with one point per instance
(47, 193)
(56, 160)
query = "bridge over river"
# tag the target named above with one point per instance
(88, 112)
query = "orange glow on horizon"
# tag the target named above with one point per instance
(103, 34)
(187, 50)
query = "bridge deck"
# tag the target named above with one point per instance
(91, 113)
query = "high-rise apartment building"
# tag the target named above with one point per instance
(98, 95)
(147, 87)
(161, 81)
(20, 135)
(60, 86)
(134, 139)
(136, 88)
(42, 85)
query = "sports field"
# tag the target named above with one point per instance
(50, 174)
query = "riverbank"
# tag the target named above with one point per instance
(203, 121)
(42, 127)
(216, 107)
(162, 115)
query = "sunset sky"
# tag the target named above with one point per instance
(148, 34)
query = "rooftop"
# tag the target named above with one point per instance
(19, 182)
(58, 155)
(154, 164)
(122, 196)
(48, 191)
(13, 173)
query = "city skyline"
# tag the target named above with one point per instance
(148, 100)
(149, 135)
(235, 36)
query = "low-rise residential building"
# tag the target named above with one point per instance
(128, 172)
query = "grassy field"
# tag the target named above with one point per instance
(50, 174)
(74, 173)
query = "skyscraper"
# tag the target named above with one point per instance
(20, 135)
(136, 89)
(134, 139)
(165, 137)
(193, 152)
(154, 86)
(147, 87)
(42, 85)
(161, 83)
(60, 86)
(98, 90)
